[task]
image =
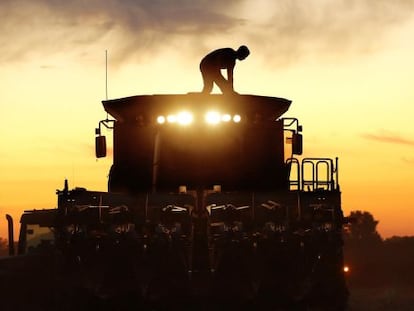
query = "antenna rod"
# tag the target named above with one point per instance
(106, 74)
(106, 78)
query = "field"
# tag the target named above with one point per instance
(392, 298)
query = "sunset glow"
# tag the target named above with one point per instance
(348, 70)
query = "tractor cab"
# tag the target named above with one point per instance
(162, 142)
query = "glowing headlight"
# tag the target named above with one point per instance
(171, 118)
(185, 118)
(226, 117)
(236, 118)
(160, 119)
(212, 117)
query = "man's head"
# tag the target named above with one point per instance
(242, 52)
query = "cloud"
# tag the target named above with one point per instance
(45, 27)
(331, 28)
(409, 161)
(388, 137)
(139, 29)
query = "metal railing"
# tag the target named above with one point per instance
(312, 174)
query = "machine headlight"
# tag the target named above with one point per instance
(226, 117)
(160, 119)
(184, 118)
(171, 118)
(212, 117)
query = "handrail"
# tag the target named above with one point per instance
(295, 182)
(323, 174)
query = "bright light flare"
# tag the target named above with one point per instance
(236, 118)
(226, 117)
(346, 269)
(160, 119)
(171, 118)
(212, 117)
(184, 118)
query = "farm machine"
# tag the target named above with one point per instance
(210, 205)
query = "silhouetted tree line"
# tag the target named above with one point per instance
(374, 261)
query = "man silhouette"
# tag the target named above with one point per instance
(213, 62)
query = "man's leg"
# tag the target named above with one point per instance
(223, 84)
(207, 81)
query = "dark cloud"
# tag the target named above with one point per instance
(334, 28)
(53, 26)
(388, 137)
(135, 28)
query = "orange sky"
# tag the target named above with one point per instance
(347, 66)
